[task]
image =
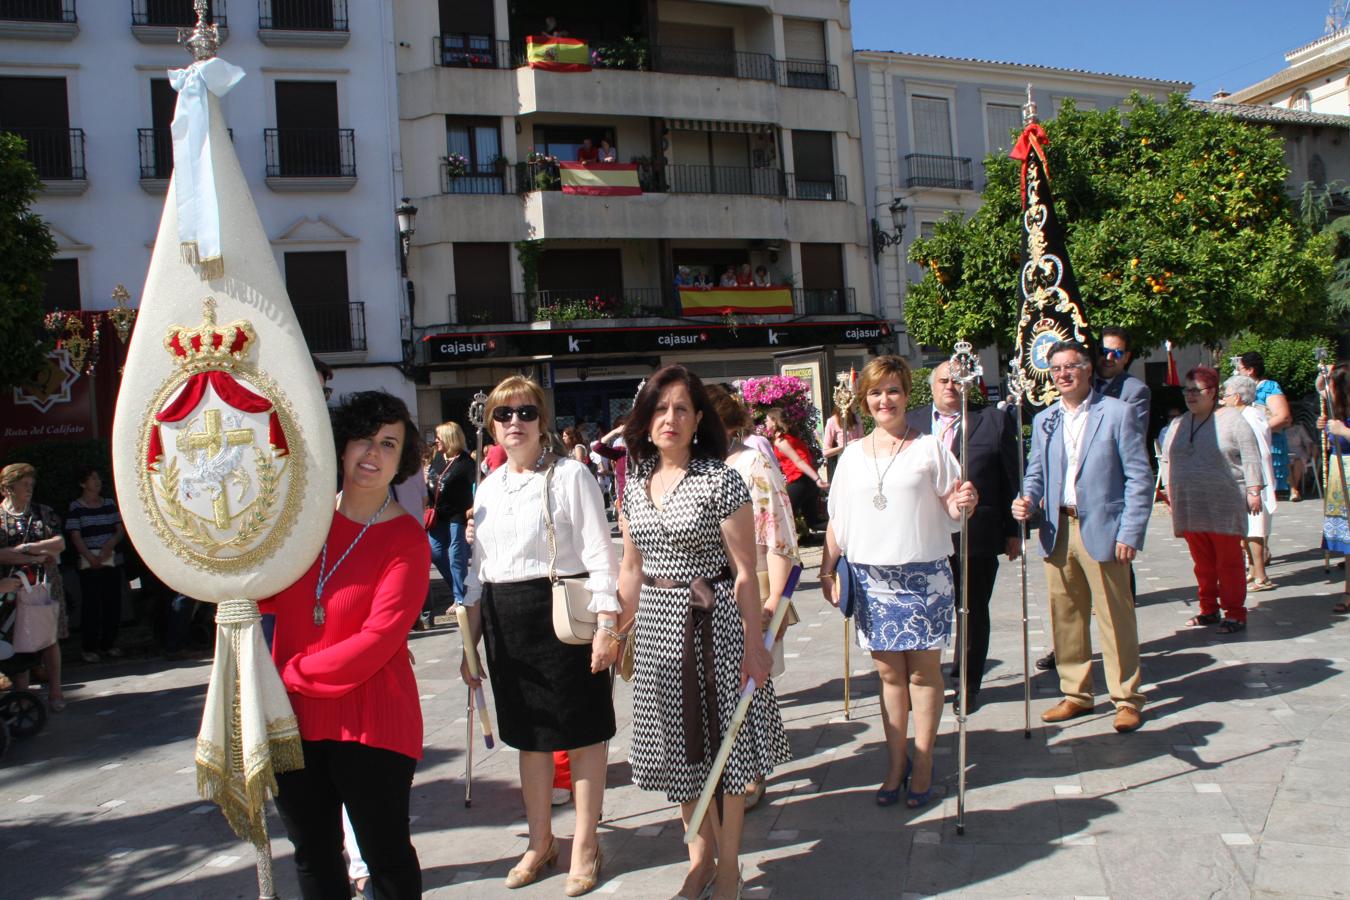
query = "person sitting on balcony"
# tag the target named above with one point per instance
(702, 281)
(551, 28)
(587, 153)
(682, 277)
(608, 152)
(729, 277)
(762, 277)
(743, 276)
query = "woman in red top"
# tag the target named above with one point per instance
(341, 646)
(804, 483)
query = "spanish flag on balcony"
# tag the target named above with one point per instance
(764, 301)
(599, 179)
(557, 54)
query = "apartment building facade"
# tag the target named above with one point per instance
(928, 123)
(313, 123)
(735, 132)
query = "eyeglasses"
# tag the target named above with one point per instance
(1196, 391)
(1111, 353)
(1066, 370)
(526, 413)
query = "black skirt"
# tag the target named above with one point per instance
(546, 695)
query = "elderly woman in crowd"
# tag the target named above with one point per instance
(449, 477)
(550, 696)
(30, 536)
(688, 525)
(775, 531)
(1212, 467)
(1239, 392)
(341, 646)
(896, 499)
(1279, 416)
(1336, 426)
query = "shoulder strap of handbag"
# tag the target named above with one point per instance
(27, 533)
(548, 526)
(440, 483)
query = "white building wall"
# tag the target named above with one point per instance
(113, 223)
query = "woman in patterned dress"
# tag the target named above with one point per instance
(686, 520)
(775, 530)
(1335, 425)
(30, 535)
(896, 528)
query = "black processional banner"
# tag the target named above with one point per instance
(1052, 309)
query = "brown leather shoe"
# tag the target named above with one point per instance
(1065, 710)
(1128, 719)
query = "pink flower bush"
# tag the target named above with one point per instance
(793, 397)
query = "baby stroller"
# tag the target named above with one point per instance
(22, 713)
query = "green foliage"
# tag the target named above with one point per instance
(528, 252)
(26, 250)
(1292, 362)
(58, 464)
(1177, 225)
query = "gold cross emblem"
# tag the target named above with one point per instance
(213, 439)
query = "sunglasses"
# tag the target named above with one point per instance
(527, 413)
(1113, 354)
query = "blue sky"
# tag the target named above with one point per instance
(1212, 43)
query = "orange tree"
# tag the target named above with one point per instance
(1178, 227)
(26, 249)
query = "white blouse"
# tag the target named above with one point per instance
(914, 526)
(511, 540)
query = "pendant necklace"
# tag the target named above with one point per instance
(506, 475)
(323, 563)
(879, 500)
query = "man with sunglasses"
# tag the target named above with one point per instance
(1089, 481)
(1113, 377)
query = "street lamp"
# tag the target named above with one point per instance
(883, 239)
(406, 216)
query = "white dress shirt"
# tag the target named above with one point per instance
(511, 540)
(914, 526)
(1073, 425)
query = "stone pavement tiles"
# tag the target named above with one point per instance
(1235, 787)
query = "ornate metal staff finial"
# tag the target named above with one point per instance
(1017, 386)
(203, 40)
(965, 364)
(477, 409)
(1029, 109)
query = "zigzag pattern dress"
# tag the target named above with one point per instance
(680, 542)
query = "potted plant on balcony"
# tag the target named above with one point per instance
(457, 165)
(543, 171)
(499, 164)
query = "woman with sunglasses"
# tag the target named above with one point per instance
(549, 695)
(1212, 471)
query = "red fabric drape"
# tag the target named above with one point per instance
(229, 390)
(1033, 138)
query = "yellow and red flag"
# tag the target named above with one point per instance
(557, 54)
(599, 179)
(776, 300)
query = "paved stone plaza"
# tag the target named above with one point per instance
(1235, 787)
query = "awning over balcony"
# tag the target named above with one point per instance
(723, 127)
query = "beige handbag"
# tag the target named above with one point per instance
(573, 622)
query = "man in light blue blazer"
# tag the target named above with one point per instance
(1088, 480)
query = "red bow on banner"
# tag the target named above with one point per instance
(1033, 137)
(229, 390)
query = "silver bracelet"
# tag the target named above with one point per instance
(620, 638)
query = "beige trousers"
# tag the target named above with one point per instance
(1080, 586)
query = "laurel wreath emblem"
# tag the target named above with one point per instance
(191, 527)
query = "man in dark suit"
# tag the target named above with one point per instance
(991, 465)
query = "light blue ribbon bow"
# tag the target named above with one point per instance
(194, 175)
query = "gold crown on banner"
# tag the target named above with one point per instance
(209, 346)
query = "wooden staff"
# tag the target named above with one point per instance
(844, 398)
(965, 369)
(476, 698)
(1016, 392)
(738, 717)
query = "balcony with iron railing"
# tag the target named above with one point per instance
(464, 178)
(473, 51)
(310, 159)
(928, 170)
(824, 301)
(327, 330)
(808, 74)
(57, 154)
(155, 150)
(158, 21)
(303, 23)
(817, 187)
(39, 20)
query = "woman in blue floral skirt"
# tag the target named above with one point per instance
(1336, 426)
(894, 503)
